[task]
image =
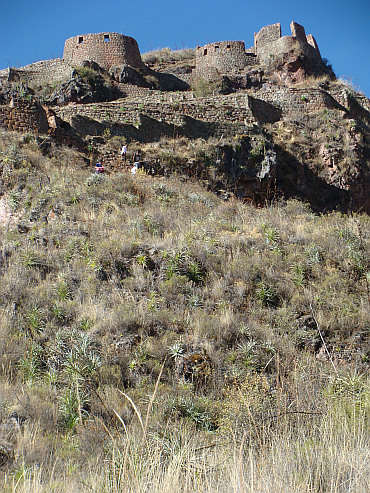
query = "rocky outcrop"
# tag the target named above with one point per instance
(147, 78)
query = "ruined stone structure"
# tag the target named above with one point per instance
(106, 49)
(220, 58)
(152, 113)
(231, 57)
(22, 115)
(146, 114)
(39, 73)
(224, 57)
(268, 42)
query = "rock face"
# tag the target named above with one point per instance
(147, 78)
(128, 75)
(73, 91)
(89, 87)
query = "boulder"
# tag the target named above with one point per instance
(128, 75)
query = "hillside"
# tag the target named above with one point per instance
(203, 324)
(273, 118)
(110, 284)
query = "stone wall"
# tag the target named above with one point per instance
(40, 73)
(298, 103)
(231, 57)
(224, 57)
(298, 31)
(159, 114)
(106, 49)
(312, 41)
(358, 105)
(185, 114)
(270, 44)
(4, 74)
(283, 48)
(148, 114)
(277, 48)
(22, 115)
(266, 36)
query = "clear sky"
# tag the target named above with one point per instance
(36, 30)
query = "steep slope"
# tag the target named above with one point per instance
(212, 311)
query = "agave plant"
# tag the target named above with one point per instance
(176, 351)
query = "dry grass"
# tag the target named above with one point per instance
(326, 450)
(166, 55)
(204, 312)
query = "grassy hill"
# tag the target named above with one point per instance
(156, 337)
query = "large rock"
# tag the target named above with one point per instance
(84, 89)
(147, 78)
(128, 75)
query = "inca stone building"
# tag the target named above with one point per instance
(106, 49)
(231, 57)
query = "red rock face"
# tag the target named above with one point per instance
(295, 68)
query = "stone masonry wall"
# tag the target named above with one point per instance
(298, 31)
(150, 114)
(40, 73)
(23, 116)
(312, 41)
(224, 57)
(298, 103)
(277, 48)
(4, 74)
(183, 114)
(230, 57)
(106, 49)
(283, 47)
(266, 36)
(268, 44)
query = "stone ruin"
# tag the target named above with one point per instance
(272, 65)
(105, 49)
(217, 117)
(231, 57)
(220, 58)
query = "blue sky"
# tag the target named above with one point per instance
(32, 31)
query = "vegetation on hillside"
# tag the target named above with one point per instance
(167, 59)
(154, 337)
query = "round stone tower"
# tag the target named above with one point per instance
(106, 49)
(225, 57)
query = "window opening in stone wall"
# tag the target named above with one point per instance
(217, 48)
(80, 39)
(205, 52)
(228, 47)
(106, 37)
